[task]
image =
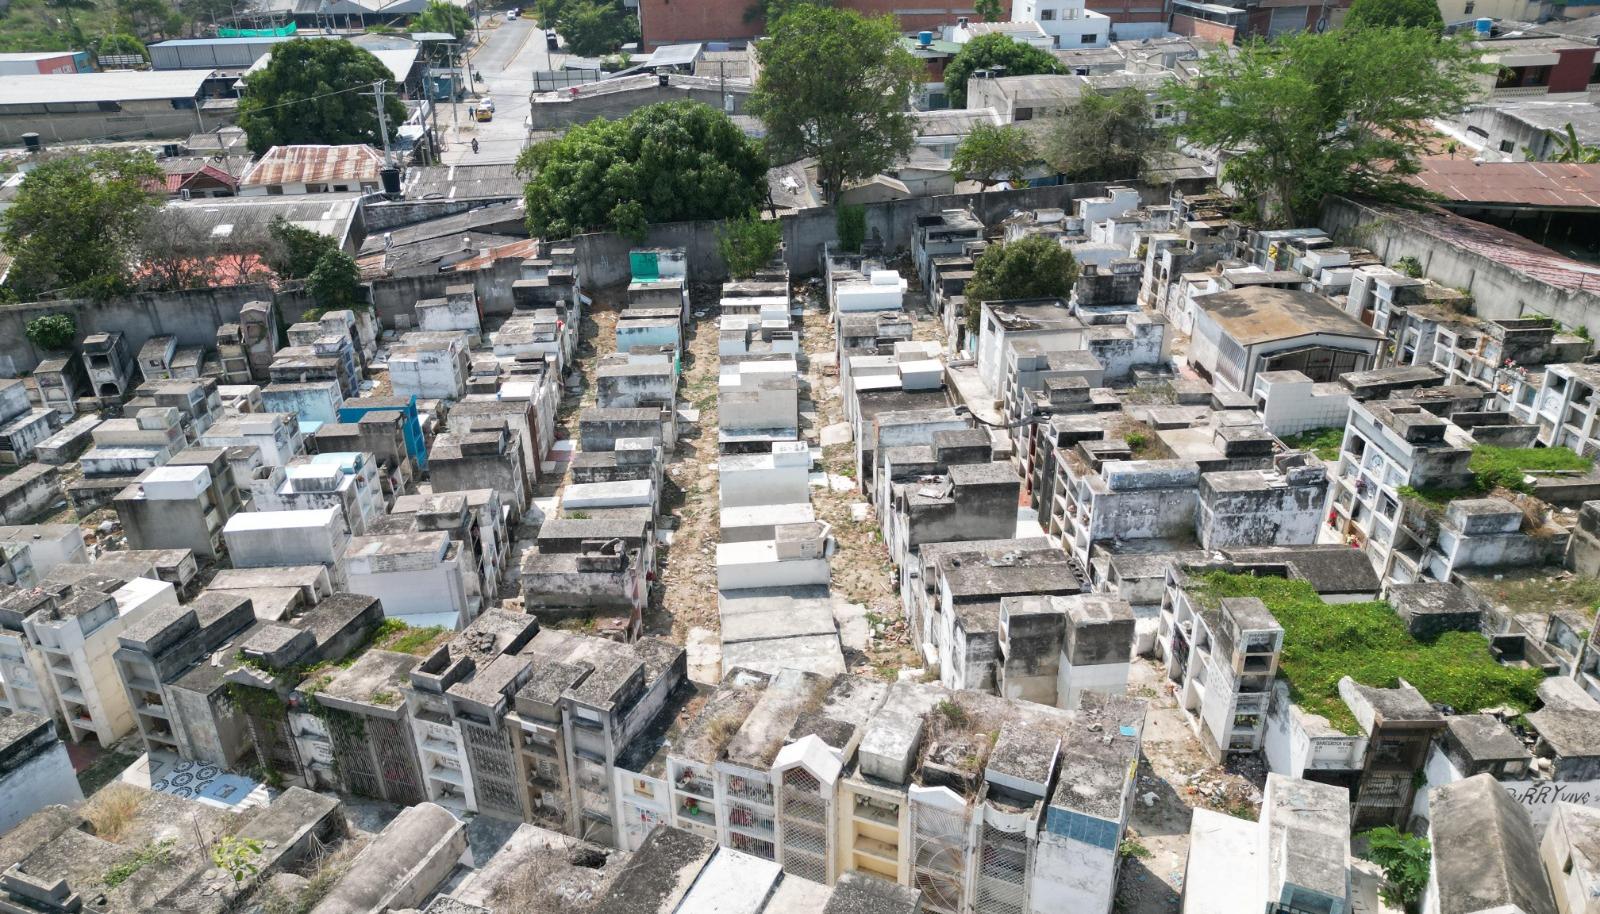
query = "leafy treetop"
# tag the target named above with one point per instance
(991, 154)
(990, 10)
(833, 87)
(1033, 267)
(75, 223)
(53, 332)
(1392, 14)
(748, 243)
(1310, 115)
(440, 16)
(295, 251)
(667, 162)
(596, 27)
(994, 50)
(315, 91)
(1107, 138)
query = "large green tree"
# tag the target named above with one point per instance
(833, 87)
(1033, 267)
(149, 18)
(1309, 115)
(662, 163)
(596, 27)
(317, 91)
(1106, 138)
(75, 224)
(991, 154)
(1392, 14)
(990, 10)
(294, 251)
(769, 12)
(442, 16)
(986, 52)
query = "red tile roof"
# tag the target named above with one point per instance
(1512, 183)
(177, 181)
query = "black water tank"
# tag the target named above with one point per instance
(31, 141)
(661, 78)
(390, 176)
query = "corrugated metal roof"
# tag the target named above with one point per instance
(1552, 184)
(519, 250)
(22, 56)
(1504, 247)
(314, 165)
(120, 86)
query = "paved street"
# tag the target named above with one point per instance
(510, 54)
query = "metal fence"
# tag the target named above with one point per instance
(551, 80)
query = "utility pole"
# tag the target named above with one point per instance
(383, 122)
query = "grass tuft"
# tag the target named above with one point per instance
(1369, 643)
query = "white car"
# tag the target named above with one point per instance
(514, 14)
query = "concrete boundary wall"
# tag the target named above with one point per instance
(603, 257)
(192, 315)
(1498, 289)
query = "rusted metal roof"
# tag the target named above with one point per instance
(520, 250)
(1550, 184)
(315, 165)
(1493, 243)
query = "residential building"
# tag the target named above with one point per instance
(1068, 22)
(287, 170)
(131, 104)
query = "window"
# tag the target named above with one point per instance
(316, 188)
(341, 188)
(1023, 114)
(1091, 39)
(1507, 146)
(1467, 10)
(274, 190)
(1047, 15)
(1566, 868)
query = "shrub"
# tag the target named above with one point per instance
(1410, 266)
(111, 810)
(850, 221)
(52, 331)
(161, 852)
(237, 856)
(1324, 442)
(1034, 267)
(748, 243)
(1405, 860)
